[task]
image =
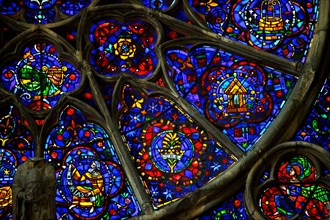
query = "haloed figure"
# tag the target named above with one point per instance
(89, 190)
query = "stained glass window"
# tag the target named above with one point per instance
(173, 155)
(17, 144)
(295, 186)
(42, 12)
(169, 109)
(39, 78)
(123, 47)
(240, 96)
(284, 28)
(85, 162)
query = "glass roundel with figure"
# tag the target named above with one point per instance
(177, 109)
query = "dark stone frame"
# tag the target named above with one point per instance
(311, 77)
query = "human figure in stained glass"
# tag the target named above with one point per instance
(89, 192)
(299, 192)
(293, 191)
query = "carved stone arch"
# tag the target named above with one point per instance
(38, 34)
(104, 98)
(52, 118)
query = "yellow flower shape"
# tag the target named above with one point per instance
(209, 5)
(125, 48)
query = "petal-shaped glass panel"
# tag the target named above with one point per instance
(282, 27)
(123, 47)
(240, 97)
(39, 78)
(173, 155)
(16, 147)
(90, 180)
(44, 4)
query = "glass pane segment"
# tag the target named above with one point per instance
(16, 147)
(72, 7)
(240, 97)
(123, 48)
(173, 155)
(297, 191)
(9, 7)
(281, 27)
(297, 169)
(42, 12)
(15, 134)
(158, 4)
(39, 78)
(233, 208)
(90, 180)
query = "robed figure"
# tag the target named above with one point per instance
(89, 192)
(34, 191)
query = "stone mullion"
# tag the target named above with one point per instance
(124, 156)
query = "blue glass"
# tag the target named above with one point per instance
(240, 97)
(233, 208)
(90, 180)
(158, 4)
(316, 128)
(16, 147)
(42, 12)
(281, 27)
(123, 48)
(172, 154)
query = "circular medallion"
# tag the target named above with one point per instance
(86, 183)
(171, 152)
